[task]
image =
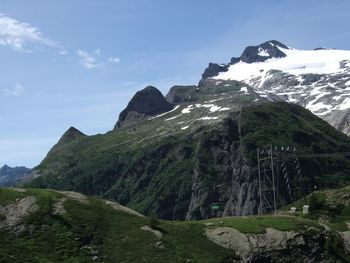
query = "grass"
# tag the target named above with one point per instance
(258, 224)
(96, 229)
(114, 236)
(330, 206)
(8, 195)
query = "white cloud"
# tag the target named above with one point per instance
(87, 60)
(90, 61)
(113, 60)
(97, 52)
(17, 35)
(16, 91)
(63, 52)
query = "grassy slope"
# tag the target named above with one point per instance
(116, 235)
(331, 206)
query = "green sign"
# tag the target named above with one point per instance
(215, 206)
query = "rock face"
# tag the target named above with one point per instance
(233, 186)
(214, 69)
(178, 94)
(272, 246)
(145, 103)
(262, 52)
(13, 213)
(10, 176)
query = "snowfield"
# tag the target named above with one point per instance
(296, 62)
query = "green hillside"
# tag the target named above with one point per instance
(50, 226)
(181, 164)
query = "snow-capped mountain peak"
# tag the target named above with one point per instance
(317, 79)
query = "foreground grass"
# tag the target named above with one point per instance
(95, 232)
(258, 224)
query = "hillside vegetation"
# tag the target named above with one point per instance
(49, 226)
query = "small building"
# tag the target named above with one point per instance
(305, 209)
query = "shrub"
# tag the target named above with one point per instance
(315, 203)
(153, 221)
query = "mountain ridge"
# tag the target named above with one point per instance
(10, 176)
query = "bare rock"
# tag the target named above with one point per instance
(157, 233)
(15, 212)
(125, 209)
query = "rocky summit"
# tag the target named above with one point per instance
(146, 102)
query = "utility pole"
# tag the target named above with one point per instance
(277, 166)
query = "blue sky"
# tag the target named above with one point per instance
(77, 63)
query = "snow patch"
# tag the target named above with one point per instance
(244, 89)
(224, 109)
(344, 105)
(187, 109)
(165, 113)
(208, 118)
(214, 108)
(169, 119)
(263, 53)
(296, 62)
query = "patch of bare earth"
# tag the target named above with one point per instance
(13, 213)
(74, 196)
(125, 209)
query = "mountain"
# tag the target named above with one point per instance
(318, 79)
(10, 176)
(146, 102)
(176, 156)
(40, 225)
(178, 163)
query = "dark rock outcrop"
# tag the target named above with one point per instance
(263, 52)
(147, 102)
(214, 69)
(178, 94)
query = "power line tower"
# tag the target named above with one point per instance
(267, 186)
(279, 177)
